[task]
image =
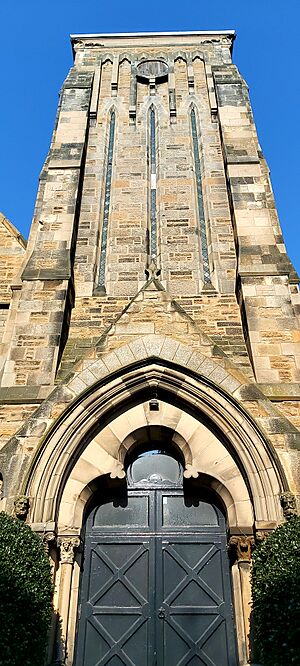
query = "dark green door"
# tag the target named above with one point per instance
(155, 587)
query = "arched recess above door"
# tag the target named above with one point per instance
(194, 396)
(201, 450)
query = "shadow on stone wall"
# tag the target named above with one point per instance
(56, 656)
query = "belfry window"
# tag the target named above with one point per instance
(107, 194)
(201, 216)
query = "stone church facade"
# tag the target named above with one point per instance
(153, 302)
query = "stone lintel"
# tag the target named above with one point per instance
(241, 531)
(44, 274)
(58, 273)
(64, 164)
(64, 533)
(242, 159)
(281, 391)
(66, 155)
(265, 525)
(267, 270)
(41, 528)
(29, 395)
(228, 80)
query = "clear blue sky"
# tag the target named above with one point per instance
(36, 55)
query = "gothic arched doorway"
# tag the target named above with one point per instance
(155, 585)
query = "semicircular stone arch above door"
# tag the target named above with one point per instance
(155, 582)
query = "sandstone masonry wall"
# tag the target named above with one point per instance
(95, 207)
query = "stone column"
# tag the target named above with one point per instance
(240, 550)
(68, 546)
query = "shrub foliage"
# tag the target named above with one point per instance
(276, 597)
(25, 595)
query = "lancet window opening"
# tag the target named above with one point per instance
(153, 182)
(107, 195)
(201, 215)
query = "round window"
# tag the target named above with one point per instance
(155, 466)
(152, 69)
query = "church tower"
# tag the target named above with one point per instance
(150, 355)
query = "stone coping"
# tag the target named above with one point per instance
(180, 33)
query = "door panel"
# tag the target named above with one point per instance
(117, 606)
(163, 599)
(195, 612)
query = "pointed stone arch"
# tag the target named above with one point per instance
(181, 55)
(106, 388)
(198, 54)
(107, 57)
(199, 447)
(157, 106)
(125, 57)
(200, 384)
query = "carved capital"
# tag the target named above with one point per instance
(21, 509)
(68, 546)
(49, 540)
(289, 506)
(261, 535)
(240, 548)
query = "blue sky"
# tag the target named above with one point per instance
(36, 55)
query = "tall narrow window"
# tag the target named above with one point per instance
(202, 224)
(153, 177)
(106, 210)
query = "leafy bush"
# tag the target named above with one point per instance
(276, 597)
(25, 595)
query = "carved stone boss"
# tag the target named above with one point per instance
(288, 503)
(21, 507)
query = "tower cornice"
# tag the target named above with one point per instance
(160, 36)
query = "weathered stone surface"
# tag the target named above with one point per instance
(48, 339)
(197, 306)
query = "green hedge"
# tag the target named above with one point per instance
(25, 595)
(276, 597)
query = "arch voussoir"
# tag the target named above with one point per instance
(208, 386)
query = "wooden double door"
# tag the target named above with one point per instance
(155, 587)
